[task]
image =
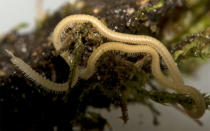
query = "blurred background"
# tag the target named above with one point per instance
(14, 12)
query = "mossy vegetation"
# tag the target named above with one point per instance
(117, 81)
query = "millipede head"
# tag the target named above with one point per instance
(9, 53)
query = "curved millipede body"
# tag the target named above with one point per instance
(138, 44)
(156, 71)
(116, 36)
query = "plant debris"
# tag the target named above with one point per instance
(26, 106)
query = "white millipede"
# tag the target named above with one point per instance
(138, 44)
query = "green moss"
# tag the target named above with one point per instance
(158, 5)
(195, 49)
(20, 26)
(195, 18)
(141, 12)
